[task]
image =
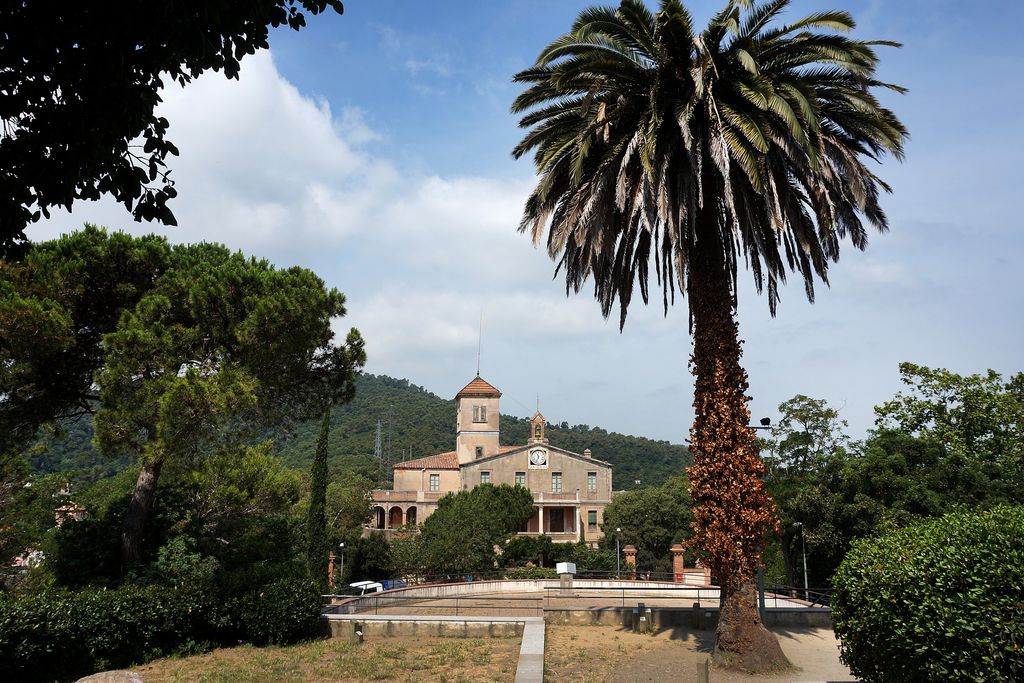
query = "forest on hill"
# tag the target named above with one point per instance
(413, 423)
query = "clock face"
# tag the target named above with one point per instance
(538, 456)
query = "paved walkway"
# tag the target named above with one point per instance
(531, 653)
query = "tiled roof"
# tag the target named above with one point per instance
(479, 388)
(441, 461)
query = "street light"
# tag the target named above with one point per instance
(803, 548)
(617, 567)
(342, 547)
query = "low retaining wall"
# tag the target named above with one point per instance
(340, 605)
(355, 628)
(701, 618)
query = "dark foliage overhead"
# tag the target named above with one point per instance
(79, 83)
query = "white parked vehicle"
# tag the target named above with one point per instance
(364, 587)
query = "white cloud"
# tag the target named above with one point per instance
(438, 66)
(265, 169)
(872, 271)
(427, 90)
(389, 39)
(353, 128)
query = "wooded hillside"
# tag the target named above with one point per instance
(414, 421)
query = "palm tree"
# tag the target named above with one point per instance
(748, 141)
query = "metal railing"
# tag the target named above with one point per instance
(814, 597)
(673, 596)
(445, 606)
(663, 595)
(584, 597)
(531, 573)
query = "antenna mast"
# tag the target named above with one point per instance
(479, 340)
(387, 448)
(378, 452)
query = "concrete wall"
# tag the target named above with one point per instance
(661, 618)
(425, 628)
(680, 617)
(539, 587)
(419, 480)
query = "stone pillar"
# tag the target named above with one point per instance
(405, 516)
(330, 571)
(630, 553)
(677, 563)
(540, 527)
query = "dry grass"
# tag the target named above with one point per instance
(584, 654)
(608, 654)
(450, 660)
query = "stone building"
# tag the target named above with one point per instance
(570, 490)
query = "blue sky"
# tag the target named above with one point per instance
(375, 148)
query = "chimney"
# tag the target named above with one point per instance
(587, 453)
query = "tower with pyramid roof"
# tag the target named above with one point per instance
(478, 421)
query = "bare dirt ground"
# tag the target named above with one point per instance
(607, 654)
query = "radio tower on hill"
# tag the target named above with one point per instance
(378, 453)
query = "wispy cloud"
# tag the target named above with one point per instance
(427, 90)
(438, 66)
(389, 38)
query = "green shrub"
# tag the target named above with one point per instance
(237, 582)
(60, 635)
(939, 601)
(285, 611)
(521, 550)
(585, 558)
(63, 635)
(530, 573)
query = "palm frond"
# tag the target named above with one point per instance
(755, 134)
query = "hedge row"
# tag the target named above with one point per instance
(60, 635)
(939, 601)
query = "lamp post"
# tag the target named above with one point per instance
(341, 546)
(617, 566)
(803, 551)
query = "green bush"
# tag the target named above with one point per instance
(285, 611)
(530, 573)
(521, 550)
(939, 601)
(63, 635)
(585, 558)
(237, 582)
(60, 635)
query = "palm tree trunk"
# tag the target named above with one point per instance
(139, 508)
(732, 509)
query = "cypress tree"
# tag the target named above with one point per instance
(316, 521)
